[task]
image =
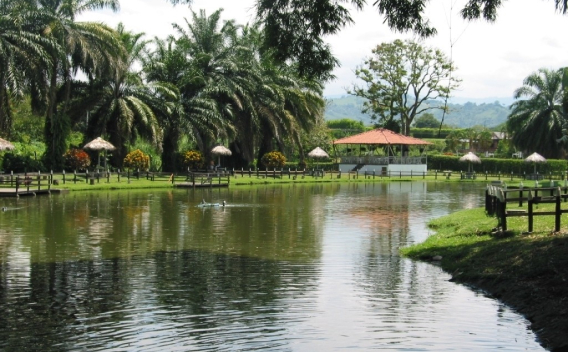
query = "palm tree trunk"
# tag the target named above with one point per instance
(169, 149)
(5, 110)
(56, 126)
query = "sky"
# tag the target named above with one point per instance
(492, 59)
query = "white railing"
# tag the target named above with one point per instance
(383, 160)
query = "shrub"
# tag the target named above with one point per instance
(21, 163)
(193, 159)
(137, 160)
(273, 159)
(76, 159)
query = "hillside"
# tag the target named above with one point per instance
(460, 115)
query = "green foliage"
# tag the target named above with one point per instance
(426, 120)
(438, 146)
(152, 152)
(495, 165)
(273, 160)
(536, 122)
(21, 163)
(399, 77)
(26, 127)
(345, 127)
(424, 133)
(346, 124)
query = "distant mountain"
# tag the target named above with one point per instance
(462, 115)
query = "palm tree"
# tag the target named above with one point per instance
(215, 85)
(284, 104)
(91, 47)
(536, 122)
(122, 106)
(22, 53)
(454, 140)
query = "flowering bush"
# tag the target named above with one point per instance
(137, 160)
(193, 159)
(273, 159)
(76, 159)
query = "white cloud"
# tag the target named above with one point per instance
(492, 59)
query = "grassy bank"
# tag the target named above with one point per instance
(529, 272)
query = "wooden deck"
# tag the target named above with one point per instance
(13, 192)
(200, 185)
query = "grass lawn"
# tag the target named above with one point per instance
(253, 180)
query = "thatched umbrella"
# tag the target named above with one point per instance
(221, 150)
(318, 153)
(99, 144)
(5, 145)
(470, 158)
(535, 158)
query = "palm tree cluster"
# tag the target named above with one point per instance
(209, 82)
(537, 121)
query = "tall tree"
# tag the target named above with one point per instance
(22, 54)
(124, 107)
(91, 47)
(536, 122)
(168, 64)
(284, 104)
(400, 77)
(215, 84)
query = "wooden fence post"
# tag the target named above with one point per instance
(558, 211)
(530, 201)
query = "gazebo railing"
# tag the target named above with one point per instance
(383, 160)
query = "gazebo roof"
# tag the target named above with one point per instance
(381, 136)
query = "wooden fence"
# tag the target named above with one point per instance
(497, 197)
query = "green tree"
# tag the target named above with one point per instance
(536, 122)
(399, 78)
(214, 84)
(168, 64)
(426, 120)
(285, 103)
(87, 46)
(122, 106)
(454, 141)
(345, 127)
(22, 53)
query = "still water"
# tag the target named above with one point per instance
(291, 268)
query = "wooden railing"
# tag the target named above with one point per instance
(497, 197)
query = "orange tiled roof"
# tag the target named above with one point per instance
(381, 136)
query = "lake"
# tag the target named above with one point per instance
(285, 268)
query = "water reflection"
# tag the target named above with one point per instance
(280, 268)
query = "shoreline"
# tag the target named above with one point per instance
(527, 272)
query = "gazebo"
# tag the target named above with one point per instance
(358, 152)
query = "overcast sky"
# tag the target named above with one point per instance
(492, 59)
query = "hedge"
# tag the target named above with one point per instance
(430, 132)
(495, 165)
